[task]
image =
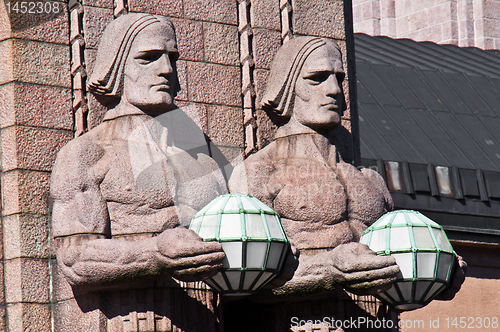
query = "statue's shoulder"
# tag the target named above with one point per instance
(81, 152)
(265, 155)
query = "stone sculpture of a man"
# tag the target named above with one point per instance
(122, 190)
(325, 203)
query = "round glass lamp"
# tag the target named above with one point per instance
(253, 240)
(421, 248)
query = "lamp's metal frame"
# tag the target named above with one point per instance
(245, 240)
(413, 303)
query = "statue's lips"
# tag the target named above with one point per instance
(329, 106)
(162, 87)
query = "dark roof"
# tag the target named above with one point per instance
(422, 106)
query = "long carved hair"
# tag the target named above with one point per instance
(279, 96)
(106, 81)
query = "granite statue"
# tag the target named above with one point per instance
(124, 190)
(325, 203)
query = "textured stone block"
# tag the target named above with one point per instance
(6, 61)
(89, 59)
(2, 296)
(491, 9)
(28, 317)
(99, 3)
(345, 83)
(370, 27)
(402, 25)
(222, 11)
(182, 75)
(36, 106)
(265, 14)
(418, 20)
(371, 10)
(422, 4)
(403, 8)
(68, 317)
(61, 290)
(189, 39)
(215, 84)
(260, 81)
(3, 326)
(491, 28)
(319, 18)
(95, 21)
(96, 111)
(449, 31)
(431, 33)
(225, 126)
(357, 13)
(27, 236)
(31, 148)
(266, 129)
(49, 27)
(387, 9)
(34, 62)
(25, 192)
(162, 7)
(388, 27)
(221, 43)
(26, 280)
(265, 45)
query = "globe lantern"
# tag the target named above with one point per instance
(252, 238)
(421, 248)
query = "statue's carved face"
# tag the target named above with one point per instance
(149, 75)
(318, 91)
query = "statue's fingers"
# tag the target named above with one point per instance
(210, 259)
(197, 273)
(388, 272)
(190, 248)
(371, 288)
(201, 247)
(367, 262)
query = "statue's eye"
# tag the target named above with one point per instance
(340, 77)
(149, 56)
(318, 77)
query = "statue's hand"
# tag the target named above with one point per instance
(289, 267)
(359, 270)
(184, 255)
(456, 283)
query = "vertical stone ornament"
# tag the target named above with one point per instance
(120, 7)
(286, 22)
(247, 86)
(78, 72)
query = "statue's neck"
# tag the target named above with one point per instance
(293, 127)
(323, 140)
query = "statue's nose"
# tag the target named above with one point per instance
(165, 65)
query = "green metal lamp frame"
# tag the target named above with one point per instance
(265, 273)
(427, 295)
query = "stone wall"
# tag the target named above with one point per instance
(226, 48)
(36, 120)
(459, 22)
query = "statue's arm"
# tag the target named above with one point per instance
(92, 260)
(86, 253)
